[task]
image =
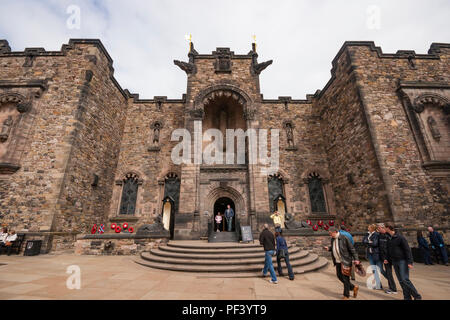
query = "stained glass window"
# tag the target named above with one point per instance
(129, 195)
(316, 194)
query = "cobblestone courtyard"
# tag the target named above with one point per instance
(119, 277)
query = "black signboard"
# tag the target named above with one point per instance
(247, 235)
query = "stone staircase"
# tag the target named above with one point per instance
(223, 259)
(223, 237)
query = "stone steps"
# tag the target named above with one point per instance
(222, 259)
(206, 250)
(226, 256)
(237, 260)
(205, 245)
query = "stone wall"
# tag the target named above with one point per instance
(416, 196)
(112, 246)
(356, 179)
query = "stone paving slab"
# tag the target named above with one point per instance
(119, 277)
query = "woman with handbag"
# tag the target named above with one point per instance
(283, 253)
(344, 255)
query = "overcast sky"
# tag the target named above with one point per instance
(302, 37)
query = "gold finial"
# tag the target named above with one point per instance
(254, 43)
(254, 38)
(188, 37)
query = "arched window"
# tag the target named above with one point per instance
(316, 195)
(129, 194)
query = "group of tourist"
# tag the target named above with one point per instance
(7, 239)
(275, 245)
(386, 250)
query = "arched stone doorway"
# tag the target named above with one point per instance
(221, 205)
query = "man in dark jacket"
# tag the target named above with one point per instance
(438, 245)
(344, 255)
(383, 239)
(399, 252)
(267, 240)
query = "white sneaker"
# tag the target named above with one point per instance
(274, 282)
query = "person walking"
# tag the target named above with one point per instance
(276, 217)
(373, 254)
(267, 240)
(229, 214)
(424, 248)
(283, 253)
(344, 255)
(344, 231)
(400, 254)
(386, 271)
(438, 245)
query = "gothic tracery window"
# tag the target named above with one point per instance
(316, 194)
(129, 194)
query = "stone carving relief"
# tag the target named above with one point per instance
(6, 129)
(432, 125)
(156, 133)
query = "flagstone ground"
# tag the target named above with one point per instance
(119, 277)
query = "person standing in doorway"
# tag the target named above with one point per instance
(218, 219)
(438, 245)
(267, 240)
(383, 239)
(229, 214)
(424, 248)
(400, 254)
(344, 255)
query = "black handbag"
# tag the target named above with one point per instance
(282, 254)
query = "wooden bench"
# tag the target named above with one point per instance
(16, 245)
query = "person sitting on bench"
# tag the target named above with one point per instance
(3, 235)
(9, 241)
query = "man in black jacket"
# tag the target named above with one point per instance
(399, 252)
(344, 255)
(387, 267)
(267, 240)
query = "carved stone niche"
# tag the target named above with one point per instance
(426, 105)
(288, 126)
(156, 128)
(16, 115)
(222, 63)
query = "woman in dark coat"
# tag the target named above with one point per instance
(424, 248)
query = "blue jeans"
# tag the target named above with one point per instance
(402, 272)
(376, 262)
(443, 254)
(268, 265)
(230, 223)
(288, 265)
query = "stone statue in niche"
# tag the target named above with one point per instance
(289, 134)
(432, 125)
(6, 129)
(156, 130)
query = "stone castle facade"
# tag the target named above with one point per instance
(76, 149)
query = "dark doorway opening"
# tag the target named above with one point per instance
(220, 206)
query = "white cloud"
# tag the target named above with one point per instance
(143, 37)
